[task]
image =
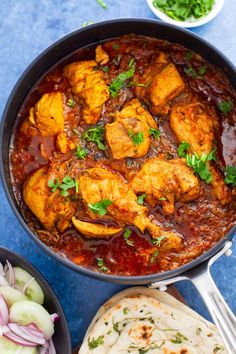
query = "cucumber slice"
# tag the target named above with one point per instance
(11, 295)
(26, 312)
(33, 291)
(9, 347)
(3, 281)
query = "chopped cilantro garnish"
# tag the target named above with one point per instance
(119, 82)
(189, 55)
(182, 149)
(94, 343)
(125, 310)
(101, 266)
(131, 62)
(225, 106)
(179, 338)
(95, 135)
(85, 23)
(157, 241)
(67, 183)
(81, 153)
(154, 255)
(137, 138)
(126, 235)
(116, 46)
(102, 4)
(199, 164)
(198, 331)
(230, 177)
(182, 10)
(105, 69)
(140, 199)
(162, 198)
(70, 102)
(155, 133)
(53, 184)
(190, 71)
(100, 208)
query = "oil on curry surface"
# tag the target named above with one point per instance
(124, 156)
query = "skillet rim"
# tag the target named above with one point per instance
(4, 168)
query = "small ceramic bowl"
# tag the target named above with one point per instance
(188, 24)
(61, 338)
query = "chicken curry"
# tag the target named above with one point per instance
(123, 156)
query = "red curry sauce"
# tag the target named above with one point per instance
(202, 222)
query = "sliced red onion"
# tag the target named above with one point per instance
(52, 349)
(11, 273)
(55, 317)
(34, 332)
(4, 313)
(27, 284)
(22, 332)
(15, 338)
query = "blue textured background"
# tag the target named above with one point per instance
(27, 28)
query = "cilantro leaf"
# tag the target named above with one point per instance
(182, 10)
(119, 81)
(100, 263)
(182, 149)
(53, 184)
(154, 255)
(81, 153)
(140, 199)
(179, 338)
(100, 208)
(155, 133)
(225, 106)
(70, 102)
(137, 138)
(230, 177)
(96, 135)
(157, 241)
(94, 343)
(126, 235)
(102, 4)
(67, 183)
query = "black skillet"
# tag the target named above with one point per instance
(197, 270)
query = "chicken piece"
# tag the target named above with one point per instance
(191, 123)
(89, 85)
(47, 117)
(97, 184)
(194, 124)
(53, 210)
(166, 182)
(132, 119)
(101, 56)
(64, 144)
(162, 84)
(92, 230)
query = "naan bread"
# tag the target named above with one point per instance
(141, 320)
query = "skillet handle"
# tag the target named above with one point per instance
(219, 310)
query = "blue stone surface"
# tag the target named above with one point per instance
(27, 28)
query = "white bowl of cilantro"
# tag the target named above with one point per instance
(186, 13)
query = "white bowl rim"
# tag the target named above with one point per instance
(188, 24)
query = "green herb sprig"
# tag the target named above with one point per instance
(157, 241)
(182, 10)
(67, 183)
(155, 133)
(140, 199)
(119, 82)
(81, 153)
(225, 106)
(102, 4)
(100, 208)
(137, 138)
(230, 175)
(96, 135)
(94, 343)
(101, 265)
(127, 235)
